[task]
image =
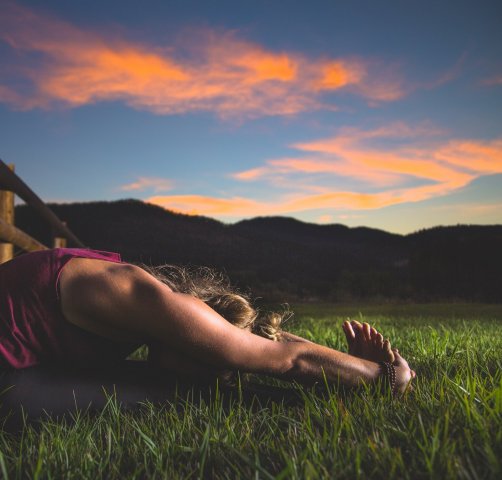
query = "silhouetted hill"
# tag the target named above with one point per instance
(461, 261)
(282, 258)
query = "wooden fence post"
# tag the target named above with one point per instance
(7, 214)
(59, 242)
(11, 234)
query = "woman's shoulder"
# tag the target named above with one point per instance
(99, 270)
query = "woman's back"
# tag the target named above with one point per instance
(33, 329)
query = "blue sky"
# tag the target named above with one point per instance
(385, 114)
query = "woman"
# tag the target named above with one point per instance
(87, 308)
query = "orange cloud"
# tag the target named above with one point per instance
(335, 75)
(206, 71)
(244, 207)
(252, 174)
(420, 169)
(314, 165)
(374, 80)
(451, 164)
(474, 156)
(210, 206)
(143, 183)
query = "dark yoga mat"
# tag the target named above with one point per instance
(49, 390)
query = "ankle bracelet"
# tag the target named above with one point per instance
(388, 371)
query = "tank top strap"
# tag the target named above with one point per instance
(88, 253)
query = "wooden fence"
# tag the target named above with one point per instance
(10, 235)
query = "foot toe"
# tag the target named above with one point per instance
(349, 331)
(388, 351)
(366, 331)
(373, 332)
(357, 329)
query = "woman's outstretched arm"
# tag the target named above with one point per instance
(290, 337)
(127, 299)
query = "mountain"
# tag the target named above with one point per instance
(282, 259)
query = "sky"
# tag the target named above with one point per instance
(386, 114)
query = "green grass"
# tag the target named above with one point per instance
(449, 427)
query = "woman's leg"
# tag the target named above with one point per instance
(57, 390)
(40, 391)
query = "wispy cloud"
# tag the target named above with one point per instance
(204, 71)
(392, 164)
(494, 80)
(158, 185)
(211, 206)
(325, 219)
(343, 216)
(368, 78)
(247, 207)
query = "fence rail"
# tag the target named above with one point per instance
(10, 235)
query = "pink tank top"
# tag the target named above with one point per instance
(33, 329)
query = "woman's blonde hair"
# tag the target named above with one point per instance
(214, 289)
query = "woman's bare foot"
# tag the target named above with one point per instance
(365, 342)
(404, 374)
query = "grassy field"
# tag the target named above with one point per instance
(449, 427)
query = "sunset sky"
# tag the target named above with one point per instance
(379, 113)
